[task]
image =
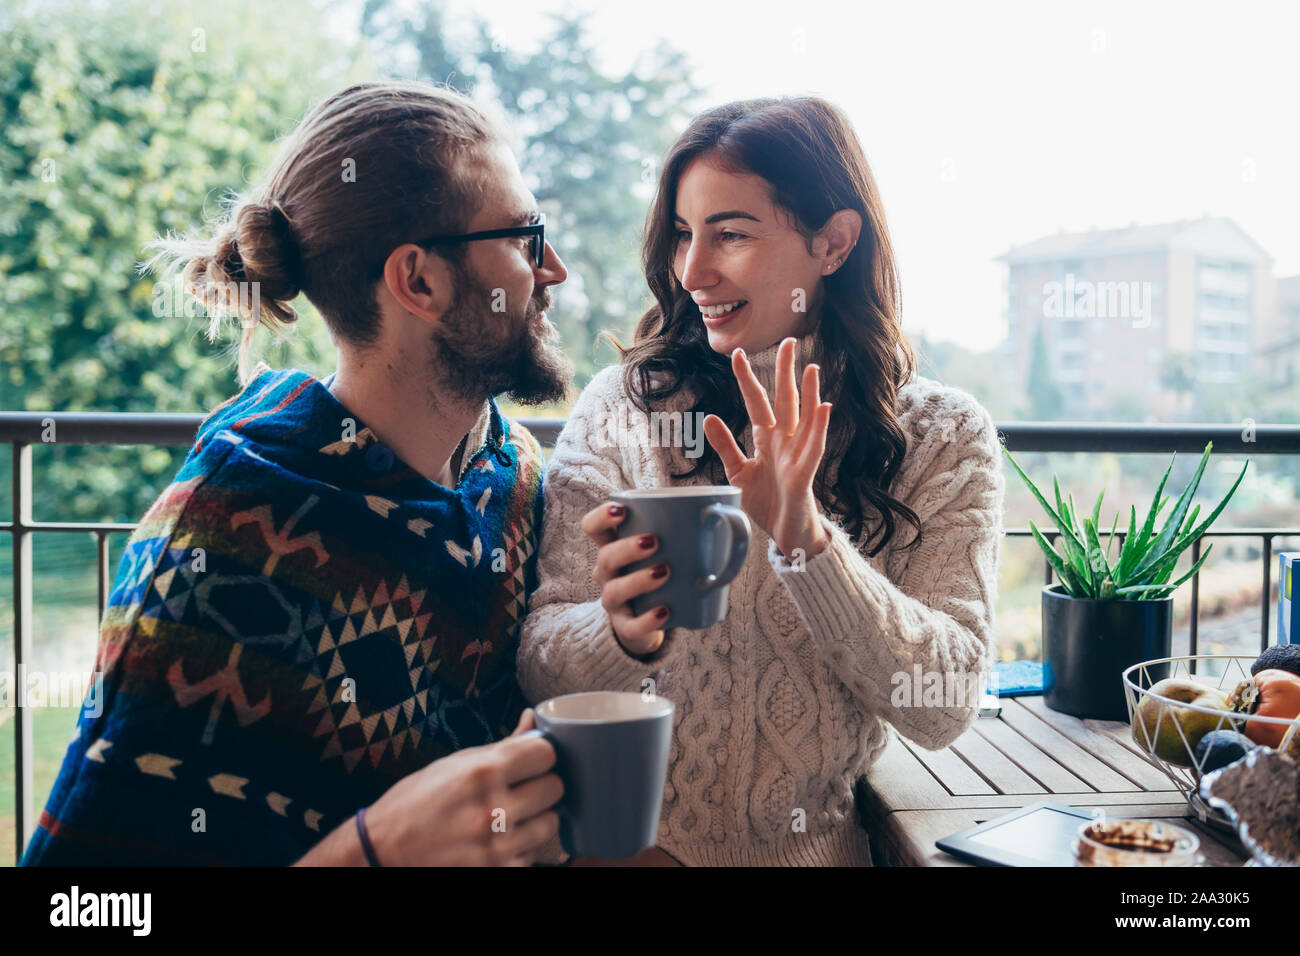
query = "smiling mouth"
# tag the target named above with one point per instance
(716, 311)
(716, 315)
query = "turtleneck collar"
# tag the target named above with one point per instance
(807, 352)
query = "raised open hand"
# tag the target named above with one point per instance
(776, 484)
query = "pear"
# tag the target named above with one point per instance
(1157, 724)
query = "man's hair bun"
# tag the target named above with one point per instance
(260, 247)
(251, 269)
(309, 229)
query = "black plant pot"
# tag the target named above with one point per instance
(1088, 644)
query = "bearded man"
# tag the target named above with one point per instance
(309, 652)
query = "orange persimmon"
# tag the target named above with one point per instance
(1270, 693)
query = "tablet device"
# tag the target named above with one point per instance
(1040, 834)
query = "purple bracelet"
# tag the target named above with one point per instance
(366, 848)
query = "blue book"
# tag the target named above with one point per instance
(1016, 678)
(1288, 613)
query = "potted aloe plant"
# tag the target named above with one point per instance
(1104, 617)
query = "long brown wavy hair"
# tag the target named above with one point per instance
(807, 151)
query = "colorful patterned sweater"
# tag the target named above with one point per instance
(299, 621)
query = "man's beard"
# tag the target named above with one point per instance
(473, 359)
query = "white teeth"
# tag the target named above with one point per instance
(713, 311)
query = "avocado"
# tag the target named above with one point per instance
(1282, 657)
(1220, 748)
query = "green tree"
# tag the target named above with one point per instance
(1045, 400)
(121, 123)
(1177, 376)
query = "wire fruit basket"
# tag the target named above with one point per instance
(1169, 729)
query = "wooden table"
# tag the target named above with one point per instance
(913, 796)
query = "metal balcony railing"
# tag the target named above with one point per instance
(23, 430)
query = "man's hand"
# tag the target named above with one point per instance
(482, 806)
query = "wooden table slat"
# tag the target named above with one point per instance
(1047, 738)
(1115, 754)
(1122, 734)
(898, 779)
(955, 775)
(1119, 733)
(1042, 767)
(994, 765)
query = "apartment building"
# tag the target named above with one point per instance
(1280, 358)
(1120, 307)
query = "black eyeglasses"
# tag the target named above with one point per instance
(537, 230)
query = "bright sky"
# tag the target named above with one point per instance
(991, 124)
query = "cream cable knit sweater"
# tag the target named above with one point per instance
(781, 706)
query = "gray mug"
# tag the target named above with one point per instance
(703, 538)
(611, 751)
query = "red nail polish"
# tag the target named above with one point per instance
(659, 571)
(617, 511)
(661, 613)
(646, 541)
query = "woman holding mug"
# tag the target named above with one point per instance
(776, 325)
